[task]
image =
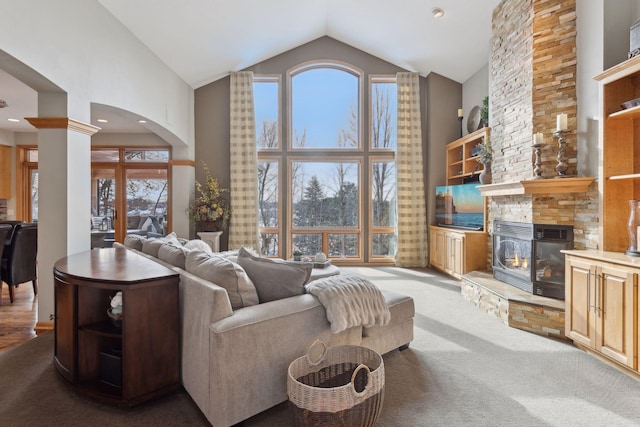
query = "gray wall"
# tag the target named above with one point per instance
(474, 89)
(444, 97)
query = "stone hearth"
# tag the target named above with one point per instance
(514, 307)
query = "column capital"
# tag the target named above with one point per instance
(183, 162)
(62, 123)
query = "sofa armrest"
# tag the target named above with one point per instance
(251, 351)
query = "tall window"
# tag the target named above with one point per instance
(327, 186)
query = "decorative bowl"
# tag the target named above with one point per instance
(630, 104)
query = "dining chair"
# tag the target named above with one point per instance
(5, 235)
(19, 258)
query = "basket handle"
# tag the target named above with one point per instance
(355, 374)
(322, 356)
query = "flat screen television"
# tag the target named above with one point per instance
(460, 206)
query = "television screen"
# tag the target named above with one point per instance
(460, 206)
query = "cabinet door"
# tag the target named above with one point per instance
(438, 249)
(65, 347)
(457, 252)
(5, 172)
(614, 308)
(579, 299)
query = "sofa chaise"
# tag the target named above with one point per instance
(234, 357)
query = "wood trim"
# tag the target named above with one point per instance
(538, 186)
(62, 123)
(191, 163)
(44, 327)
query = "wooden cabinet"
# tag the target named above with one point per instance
(127, 364)
(457, 252)
(461, 161)
(619, 170)
(5, 172)
(601, 304)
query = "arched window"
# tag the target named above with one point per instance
(327, 186)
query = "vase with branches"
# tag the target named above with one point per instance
(209, 206)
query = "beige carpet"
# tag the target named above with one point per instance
(464, 368)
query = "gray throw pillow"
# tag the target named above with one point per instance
(223, 273)
(275, 279)
(198, 244)
(152, 246)
(134, 241)
(173, 254)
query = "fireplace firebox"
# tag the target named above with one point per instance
(529, 257)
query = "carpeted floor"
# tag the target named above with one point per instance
(464, 368)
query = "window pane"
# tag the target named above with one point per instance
(383, 245)
(309, 244)
(325, 194)
(105, 155)
(147, 201)
(383, 194)
(384, 108)
(265, 99)
(32, 155)
(324, 103)
(268, 193)
(269, 244)
(343, 245)
(34, 194)
(135, 155)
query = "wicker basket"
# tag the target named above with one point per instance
(344, 387)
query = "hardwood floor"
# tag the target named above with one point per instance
(17, 320)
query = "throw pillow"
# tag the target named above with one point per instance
(152, 246)
(274, 279)
(224, 273)
(173, 254)
(134, 241)
(198, 244)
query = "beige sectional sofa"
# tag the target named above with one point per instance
(234, 361)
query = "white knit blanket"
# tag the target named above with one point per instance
(350, 301)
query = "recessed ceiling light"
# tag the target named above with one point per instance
(102, 120)
(142, 121)
(14, 120)
(437, 12)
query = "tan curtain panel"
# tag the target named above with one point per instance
(412, 216)
(243, 226)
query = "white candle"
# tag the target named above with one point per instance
(538, 138)
(460, 112)
(561, 122)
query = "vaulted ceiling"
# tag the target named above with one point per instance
(203, 40)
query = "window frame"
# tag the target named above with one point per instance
(316, 64)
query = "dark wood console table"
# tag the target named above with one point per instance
(124, 365)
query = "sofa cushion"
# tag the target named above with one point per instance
(134, 241)
(274, 279)
(198, 244)
(152, 246)
(224, 273)
(175, 255)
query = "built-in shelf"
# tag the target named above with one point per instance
(629, 176)
(630, 113)
(538, 186)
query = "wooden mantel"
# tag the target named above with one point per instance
(537, 186)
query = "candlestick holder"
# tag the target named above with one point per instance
(562, 166)
(460, 120)
(537, 169)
